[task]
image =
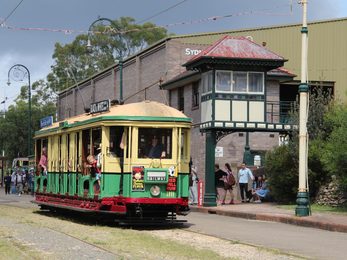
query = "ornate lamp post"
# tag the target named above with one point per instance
(18, 72)
(302, 201)
(120, 60)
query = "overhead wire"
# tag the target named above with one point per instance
(10, 14)
(161, 12)
(183, 23)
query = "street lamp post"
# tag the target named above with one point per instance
(302, 201)
(19, 71)
(120, 58)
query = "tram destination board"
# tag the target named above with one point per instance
(101, 106)
(156, 176)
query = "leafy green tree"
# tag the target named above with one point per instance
(334, 156)
(282, 164)
(109, 43)
(14, 126)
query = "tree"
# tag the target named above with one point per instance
(14, 126)
(111, 42)
(282, 164)
(334, 155)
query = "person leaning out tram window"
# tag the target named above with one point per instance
(90, 165)
(43, 161)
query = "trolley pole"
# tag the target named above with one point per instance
(302, 201)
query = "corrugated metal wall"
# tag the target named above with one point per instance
(327, 55)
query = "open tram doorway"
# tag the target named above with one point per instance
(91, 146)
(41, 145)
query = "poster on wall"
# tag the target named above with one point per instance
(138, 175)
(218, 151)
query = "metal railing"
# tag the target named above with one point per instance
(280, 111)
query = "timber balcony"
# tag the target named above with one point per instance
(251, 116)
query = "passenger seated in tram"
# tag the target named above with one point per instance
(155, 149)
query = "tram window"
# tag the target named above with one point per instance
(116, 134)
(91, 140)
(85, 143)
(155, 143)
(60, 152)
(184, 144)
(96, 140)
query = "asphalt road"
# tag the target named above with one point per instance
(306, 242)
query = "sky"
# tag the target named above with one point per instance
(28, 33)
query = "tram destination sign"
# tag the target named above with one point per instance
(157, 175)
(101, 106)
(46, 121)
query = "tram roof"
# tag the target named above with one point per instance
(141, 111)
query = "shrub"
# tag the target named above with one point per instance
(282, 164)
(282, 172)
(335, 148)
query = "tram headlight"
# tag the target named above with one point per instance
(155, 190)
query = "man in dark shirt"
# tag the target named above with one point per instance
(220, 175)
(156, 149)
(7, 180)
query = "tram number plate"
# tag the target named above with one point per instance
(156, 176)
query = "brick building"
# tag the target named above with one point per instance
(156, 73)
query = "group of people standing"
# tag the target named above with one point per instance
(19, 181)
(226, 180)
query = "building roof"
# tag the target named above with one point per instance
(281, 72)
(237, 48)
(236, 51)
(181, 79)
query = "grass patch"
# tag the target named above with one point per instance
(319, 208)
(127, 243)
(10, 248)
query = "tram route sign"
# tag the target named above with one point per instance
(101, 106)
(46, 121)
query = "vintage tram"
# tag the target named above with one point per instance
(130, 161)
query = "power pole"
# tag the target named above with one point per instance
(302, 208)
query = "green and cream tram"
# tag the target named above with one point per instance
(129, 160)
